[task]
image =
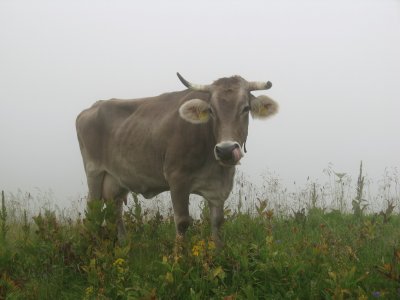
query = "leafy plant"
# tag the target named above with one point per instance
(359, 203)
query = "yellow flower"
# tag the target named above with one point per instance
(218, 272)
(169, 278)
(211, 245)
(196, 250)
(119, 262)
(121, 269)
(88, 292)
(201, 248)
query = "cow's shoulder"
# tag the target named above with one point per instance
(117, 107)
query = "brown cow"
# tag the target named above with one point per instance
(185, 142)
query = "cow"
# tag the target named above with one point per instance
(186, 142)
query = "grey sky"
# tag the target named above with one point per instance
(334, 65)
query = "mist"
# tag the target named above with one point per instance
(334, 65)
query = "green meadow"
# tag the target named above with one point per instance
(329, 244)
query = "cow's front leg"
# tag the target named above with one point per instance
(217, 219)
(180, 204)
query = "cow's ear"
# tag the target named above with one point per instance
(263, 107)
(195, 111)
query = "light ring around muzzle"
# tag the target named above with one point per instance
(228, 152)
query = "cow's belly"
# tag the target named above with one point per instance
(138, 170)
(140, 183)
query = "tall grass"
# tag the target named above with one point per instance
(304, 248)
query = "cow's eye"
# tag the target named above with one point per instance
(246, 109)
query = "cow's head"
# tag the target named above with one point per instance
(228, 107)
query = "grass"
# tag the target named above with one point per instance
(310, 253)
(314, 256)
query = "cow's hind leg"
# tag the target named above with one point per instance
(95, 185)
(112, 191)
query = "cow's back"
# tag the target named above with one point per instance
(130, 139)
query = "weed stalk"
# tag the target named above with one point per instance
(3, 217)
(359, 203)
(25, 226)
(314, 196)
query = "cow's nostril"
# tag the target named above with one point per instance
(218, 151)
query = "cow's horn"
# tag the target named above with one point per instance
(192, 86)
(258, 85)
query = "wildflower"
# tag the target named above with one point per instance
(269, 239)
(196, 250)
(119, 262)
(89, 292)
(211, 245)
(376, 294)
(177, 257)
(165, 259)
(169, 278)
(218, 272)
(121, 269)
(269, 214)
(206, 267)
(119, 265)
(203, 249)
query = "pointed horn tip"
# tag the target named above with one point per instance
(268, 85)
(179, 75)
(183, 80)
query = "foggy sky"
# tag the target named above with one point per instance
(334, 65)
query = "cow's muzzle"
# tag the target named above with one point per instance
(228, 152)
